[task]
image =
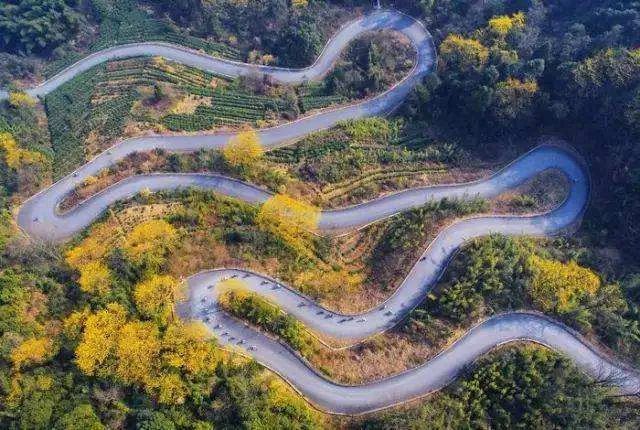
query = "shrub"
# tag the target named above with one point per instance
(236, 299)
(19, 100)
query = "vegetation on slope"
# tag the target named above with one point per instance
(515, 388)
(89, 339)
(499, 273)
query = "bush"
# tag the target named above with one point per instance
(491, 272)
(19, 99)
(247, 305)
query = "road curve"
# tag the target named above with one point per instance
(39, 216)
(378, 20)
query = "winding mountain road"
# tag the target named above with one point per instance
(39, 216)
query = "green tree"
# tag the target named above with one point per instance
(153, 420)
(532, 387)
(35, 26)
(82, 417)
(491, 270)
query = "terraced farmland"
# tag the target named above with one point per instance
(101, 100)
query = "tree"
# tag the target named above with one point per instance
(236, 299)
(170, 389)
(289, 219)
(94, 247)
(531, 387)
(153, 420)
(155, 297)
(188, 347)
(95, 353)
(632, 112)
(149, 242)
(35, 26)
(300, 42)
(243, 149)
(32, 351)
(95, 278)
(460, 53)
(18, 99)
(73, 326)
(33, 399)
(137, 352)
(559, 287)
(15, 156)
(490, 270)
(606, 71)
(255, 400)
(82, 417)
(501, 25)
(514, 100)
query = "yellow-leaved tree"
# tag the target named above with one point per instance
(232, 287)
(289, 219)
(559, 287)
(32, 351)
(95, 352)
(501, 25)
(73, 325)
(18, 99)
(150, 242)
(15, 156)
(155, 297)
(100, 240)
(189, 347)
(169, 389)
(137, 352)
(515, 98)
(95, 278)
(461, 53)
(243, 149)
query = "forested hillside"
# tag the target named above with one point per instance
(92, 334)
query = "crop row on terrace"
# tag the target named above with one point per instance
(230, 104)
(101, 99)
(377, 175)
(72, 114)
(315, 96)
